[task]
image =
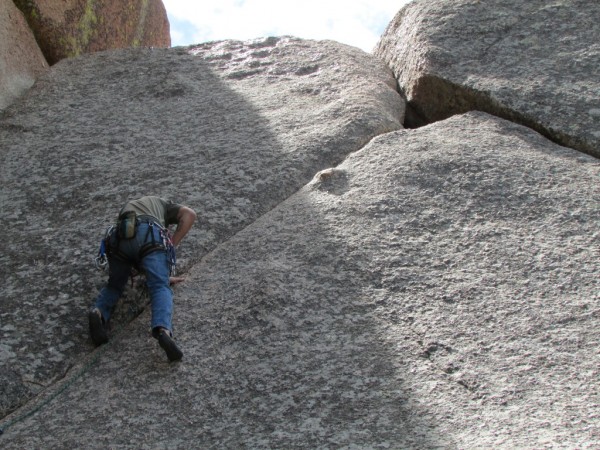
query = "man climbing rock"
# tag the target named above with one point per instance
(141, 240)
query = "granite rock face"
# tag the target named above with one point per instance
(21, 60)
(350, 283)
(69, 28)
(532, 62)
(230, 128)
(435, 290)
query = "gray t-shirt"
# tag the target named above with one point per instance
(165, 211)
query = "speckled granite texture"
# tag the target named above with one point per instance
(350, 283)
(429, 292)
(532, 62)
(231, 129)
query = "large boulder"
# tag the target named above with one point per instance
(438, 289)
(229, 128)
(69, 28)
(532, 62)
(21, 60)
(427, 288)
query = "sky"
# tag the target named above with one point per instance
(359, 23)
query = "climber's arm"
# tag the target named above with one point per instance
(185, 219)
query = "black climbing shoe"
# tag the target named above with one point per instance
(97, 328)
(169, 346)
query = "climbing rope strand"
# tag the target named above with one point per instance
(101, 262)
(68, 381)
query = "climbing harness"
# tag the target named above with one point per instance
(112, 234)
(102, 261)
(165, 243)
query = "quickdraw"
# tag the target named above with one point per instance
(170, 248)
(101, 259)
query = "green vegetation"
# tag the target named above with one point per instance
(139, 32)
(86, 26)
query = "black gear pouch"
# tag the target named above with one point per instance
(127, 225)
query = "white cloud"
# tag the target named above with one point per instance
(354, 22)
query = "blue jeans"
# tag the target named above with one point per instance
(155, 266)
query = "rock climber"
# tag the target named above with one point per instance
(141, 240)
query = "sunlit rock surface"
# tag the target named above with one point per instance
(435, 290)
(350, 283)
(231, 129)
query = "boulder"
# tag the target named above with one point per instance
(69, 28)
(437, 289)
(230, 128)
(349, 283)
(21, 60)
(535, 63)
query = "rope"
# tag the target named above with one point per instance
(79, 373)
(101, 262)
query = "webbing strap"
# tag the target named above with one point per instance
(164, 244)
